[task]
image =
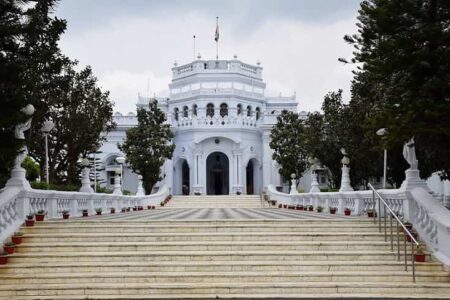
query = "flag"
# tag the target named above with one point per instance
(216, 37)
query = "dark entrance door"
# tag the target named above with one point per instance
(217, 170)
(249, 173)
(185, 178)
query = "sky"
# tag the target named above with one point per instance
(133, 44)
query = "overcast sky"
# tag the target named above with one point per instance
(130, 43)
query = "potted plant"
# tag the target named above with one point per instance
(370, 213)
(65, 214)
(333, 210)
(413, 233)
(280, 205)
(40, 215)
(347, 211)
(29, 221)
(135, 208)
(17, 238)
(408, 225)
(310, 208)
(85, 212)
(98, 211)
(319, 209)
(9, 247)
(140, 208)
(128, 208)
(419, 255)
(3, 258)
(112, 210)
(285, 205)
(124, 209)
(162, 203)
(273, 202)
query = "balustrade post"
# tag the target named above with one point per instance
(52, 207)
(73, 206)
(341, 207)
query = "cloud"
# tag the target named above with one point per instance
(296, 55)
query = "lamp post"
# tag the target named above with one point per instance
(121, 161)
(382, 132)
(47, 126)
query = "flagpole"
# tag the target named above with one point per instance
(217, 39)
(194, 46)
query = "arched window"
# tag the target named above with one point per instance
(175, 113)
(258, 113)
(239, 109)
(223, 110)
(185, 112)
(194, 109)
(210, 109)
(249, 111)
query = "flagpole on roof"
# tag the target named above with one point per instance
(216, 38)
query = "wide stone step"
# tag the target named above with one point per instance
(92, 246)
(99, 228)
(216, 290)
(217, 266)
(222, 277)
(200, 255)
(132, 236)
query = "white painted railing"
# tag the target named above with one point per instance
(429, 217)
(16, 203)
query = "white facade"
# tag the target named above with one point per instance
(221, 122)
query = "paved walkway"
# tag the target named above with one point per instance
(218, 214)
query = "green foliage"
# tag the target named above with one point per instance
(403, 74)
(127, 193)
(148, 145)
(287, 144)
(42, 185)
(103, 190)
(32, 169)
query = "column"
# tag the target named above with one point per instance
(266, 159)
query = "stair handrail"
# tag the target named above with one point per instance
(414, 242)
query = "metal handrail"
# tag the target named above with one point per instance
(399, 222)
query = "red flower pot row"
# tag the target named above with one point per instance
(29, 223)
(16, 239)
(40, 218)
(3, 260)
(419, 257)
(9, 249)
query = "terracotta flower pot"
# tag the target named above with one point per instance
(370, 214)
(66, 216)
(98, 213)
(85, 214)
(280, 205)
(419, 257)
(347, 212)
(333, 211)
(3, 260)
(408, 238)
(149, 207)
(9, 249)
(310, 208)
(16, 239)
(29, 223)
(135, 208)
(40, 218)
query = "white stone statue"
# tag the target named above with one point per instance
(409, 153)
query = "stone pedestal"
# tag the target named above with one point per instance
(117, 186)
(345, 180)
(314, 184)
(18, 179)
(413, 180)
(140, 189)
(86, 182)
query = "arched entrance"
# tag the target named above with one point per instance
(217, 171)
(185, 184)
(250, 179)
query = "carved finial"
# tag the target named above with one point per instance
(199, 56)
(258, 63)
(235, 56)
(175, 63)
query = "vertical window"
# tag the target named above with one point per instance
(223, 110)
(258, 113)
(194, 109)
(210, 109)
(249, 111)
(185, 112)
(239, 109)
(175, 113)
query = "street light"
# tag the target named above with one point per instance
(47, 126)
(121, 161)
(382, 132)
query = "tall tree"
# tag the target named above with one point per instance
(403, 56)
(81, 112)
(288, 147)
(148, 145)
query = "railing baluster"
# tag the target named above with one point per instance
(413, 263)
(406, 258)
(385, 226)
(398, 242)
(392, 235)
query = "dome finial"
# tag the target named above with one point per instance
(175, 63)
(199, 56)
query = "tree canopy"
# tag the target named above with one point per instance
(148, 145)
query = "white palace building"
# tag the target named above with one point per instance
(221, 121)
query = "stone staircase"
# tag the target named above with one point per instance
(121, 258)
(225, 201)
